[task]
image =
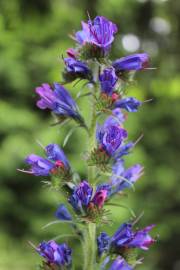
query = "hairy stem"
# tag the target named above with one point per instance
(89, 246)
(92, 128)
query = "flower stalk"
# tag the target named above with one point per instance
(92, 128)
(84, 209)
(90, 232)
(89, 247)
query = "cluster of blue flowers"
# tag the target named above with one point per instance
(86, 201)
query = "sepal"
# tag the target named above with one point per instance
(47, 266)
(97, 215)
(105, 101)
(131, 256)
(98, 157)
(88, 51)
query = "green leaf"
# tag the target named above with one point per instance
(69, 135)
(65, 236)
(123, 206)
(56, 222)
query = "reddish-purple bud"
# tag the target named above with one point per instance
(99, 198)
(72, 53)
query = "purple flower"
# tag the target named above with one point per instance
(132, 174)
(59, 101)
(76, 69)
(82, 199)
(122, 178)
(54, 253)
(99, 33)
(120, 264)
(108, 81)
(81, 196)
(55, 160)
(110, 136)
(118, 115)
(103, 242)
(124, 150)
(131, 62)
(116, 119)
(142, 239)
(55, 153)
(126, 238)
(62, 213)
(122, 236)
(104, 186)
(39, 166)
(130, 104)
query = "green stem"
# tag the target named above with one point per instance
(89, 243)
(92, 128)
(92, 141)
(90, 247)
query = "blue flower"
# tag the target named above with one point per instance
(125, 237)
(59, 101)
(103, 242)
(120, 264)
(110, 136)
(62, 213)
(76, 69)
(118, 115)
(116, 119)
(39, 166)
(81, 198)
(58, 254)
(130, 104)
(122, 236)
(98, 33)
(108, 81)
(104, 186)
(55, 160)
(122, 178)
(131, 62)
(142, 239)
(55, 153)
(124, 150)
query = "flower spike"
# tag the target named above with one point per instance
(107, 148)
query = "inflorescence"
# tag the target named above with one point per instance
(87, 199)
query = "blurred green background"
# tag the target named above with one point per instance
(33, 37)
